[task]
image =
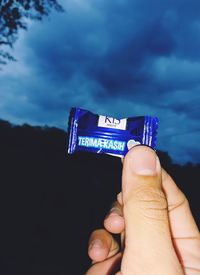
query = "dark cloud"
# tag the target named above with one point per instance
(121, 58)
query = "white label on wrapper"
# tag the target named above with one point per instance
(111, 122)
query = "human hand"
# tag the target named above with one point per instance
(161, 236)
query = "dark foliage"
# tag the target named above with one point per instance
(13, 17)
(50, 201)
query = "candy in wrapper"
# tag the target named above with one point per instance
(104, 134)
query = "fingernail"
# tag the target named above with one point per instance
(96, 244)
(144, 161)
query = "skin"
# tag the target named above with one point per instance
(153, 217)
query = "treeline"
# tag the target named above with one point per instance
(50, 201)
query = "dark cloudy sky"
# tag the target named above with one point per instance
(116, 57)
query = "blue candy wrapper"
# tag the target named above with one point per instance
(104, 134)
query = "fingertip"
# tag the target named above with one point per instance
(143, 161)
(114, 223)
(97, 251)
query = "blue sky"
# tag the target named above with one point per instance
(119, 58)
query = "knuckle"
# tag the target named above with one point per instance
(149, 202)
(181, 201)
(151, 198)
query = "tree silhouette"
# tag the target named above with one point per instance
(13, 17)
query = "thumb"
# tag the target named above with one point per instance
(148, 245)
